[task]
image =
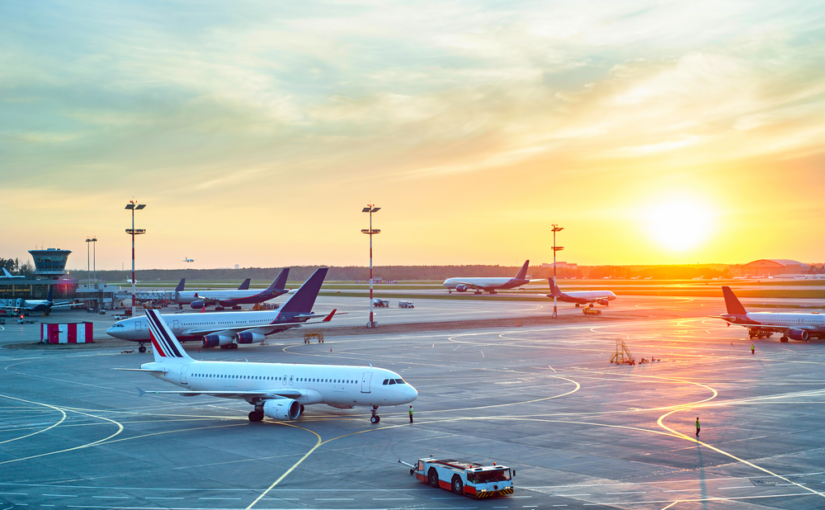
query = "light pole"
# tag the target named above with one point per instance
(132, 205)
(370, 209)
(88, 267)
(94, 260)
(556, 228)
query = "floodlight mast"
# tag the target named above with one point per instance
(92, 240)
(370, 209)
(132, 205)
(556, 228)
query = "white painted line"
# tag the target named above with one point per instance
(740, 487)
(392, 499)
(682, 490)
(559, 505)
(110, 497)
(14, 493)
(517, 497)
(626, 493)
(160, 497)
(334, 499)
(220, 498)
(59, 495)
(569, 495)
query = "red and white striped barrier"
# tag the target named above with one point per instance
(72, 333)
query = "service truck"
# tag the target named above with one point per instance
(380, 303)
(463, 477)
(406, 304)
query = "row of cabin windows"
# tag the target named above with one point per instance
(393, 381)
(280, 378)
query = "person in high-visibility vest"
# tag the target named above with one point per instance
(753, 350)
(411, 413)
(697, 426)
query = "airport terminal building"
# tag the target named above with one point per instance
(50, 269)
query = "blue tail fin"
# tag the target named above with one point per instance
(51, 293)
(304, 299)
(6, 272)
(245, 284)
(280, 281)
(522, 273)
(179, 288)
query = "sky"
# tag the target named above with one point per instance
(654, 132)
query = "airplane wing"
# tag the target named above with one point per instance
(265, 395)
(65, 304)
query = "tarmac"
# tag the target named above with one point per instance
(580, 432)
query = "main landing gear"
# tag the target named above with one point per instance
(257, 414)
(375, 418)
(142, 347)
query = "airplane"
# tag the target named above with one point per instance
(182, 297)
(188, 260)
(479, 285)
(6, 275)
(228, 329)
(35, 305)
(278, 391)
(129, 280)
(796, 326)
(582, 297)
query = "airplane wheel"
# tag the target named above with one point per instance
(577, 305)
(255, 416)
(302, 408)
(375, 419)
(784, 339)
(142, 348)
(233, 346)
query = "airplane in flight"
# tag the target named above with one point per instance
(278, 391)
(188, 260)
(581, 297)
(34, 305)
(796, 326)
(228, 329)
(481, 285)
(6, 275)
(232, 298)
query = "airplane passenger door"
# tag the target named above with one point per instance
(365, 382)
(137, 326)
(183, 370)
(175, 326)
(290, 380)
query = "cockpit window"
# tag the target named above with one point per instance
(118, 325)
(392, 381)
(386, 381)
(399, 381)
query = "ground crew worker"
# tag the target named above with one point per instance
(753, 350)
(411, 412)
(697, 426)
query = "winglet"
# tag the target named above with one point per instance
(141, 392)
(522, 273)
(732, 303)
(329, 317)
(180, 286)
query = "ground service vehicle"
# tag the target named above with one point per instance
(406, 304)
(591, 311)
(380, 303)
(462, 477)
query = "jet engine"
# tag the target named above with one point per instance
(250, 337)
(799, 334)
(197, 305)
(282, 409)
(216, 340)
(461, 288)
(603, 302)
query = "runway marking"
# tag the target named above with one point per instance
(62, 419)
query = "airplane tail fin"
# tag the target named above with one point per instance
(245, 284)
(6, 272)
(732, 302)
(304, 298)
(554, 289)
(180, 286)
(166, 345)
(51, 293)
(280, 281)
(522, 273)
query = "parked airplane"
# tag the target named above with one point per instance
(796, 326)
(582, 297)
(278, 391)
(480, 285)
(182, 297)
(129, 280)
(228, 329)
(34, 305)
(6, 275)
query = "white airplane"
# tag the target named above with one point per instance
(278, 391)
(480, 285)
(796, 326)
(582, 297)
(34, 305)
(6, 275)
(188, 260)
(129, 280)
(231, 298)
(228, 329)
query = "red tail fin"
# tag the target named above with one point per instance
(732, 303)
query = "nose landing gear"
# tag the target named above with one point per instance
(375, 418)
(142, 347)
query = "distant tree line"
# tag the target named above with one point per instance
(12, 266)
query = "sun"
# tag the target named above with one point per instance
(680, 224)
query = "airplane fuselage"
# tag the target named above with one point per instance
(227, 297)
(339, 386)
(799, 326)
(137, 328)
(487, 284)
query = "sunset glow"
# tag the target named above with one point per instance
(679, 225)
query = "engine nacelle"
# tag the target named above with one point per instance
(197, 305)
(282, 409)
(799, 334)
(603, 302)
(250, 337)
(216, 340)
(461, 288)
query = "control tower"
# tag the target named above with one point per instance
(50, 262)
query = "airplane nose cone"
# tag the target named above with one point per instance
(413, 393)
